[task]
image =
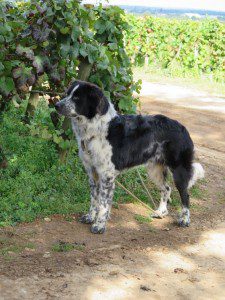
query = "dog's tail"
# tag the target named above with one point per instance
(197, 173)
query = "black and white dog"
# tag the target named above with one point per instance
(109, 143)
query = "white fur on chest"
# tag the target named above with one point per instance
(94, 148)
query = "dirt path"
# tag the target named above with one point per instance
(131, 260)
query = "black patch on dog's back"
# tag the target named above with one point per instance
(135, 139)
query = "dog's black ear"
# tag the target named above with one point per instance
(90, 100)
(98, 101)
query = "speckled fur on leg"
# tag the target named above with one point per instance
(107, 186)
(184, 220)
(158, 173)
(94, 187)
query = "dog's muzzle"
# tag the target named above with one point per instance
(64, 108)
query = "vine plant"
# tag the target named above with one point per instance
(44, 45)
(193, 46)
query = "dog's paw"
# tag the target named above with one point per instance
(86, 219)
(159, 214)
(184, 220)
(97, 228)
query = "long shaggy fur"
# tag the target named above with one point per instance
(110, 143)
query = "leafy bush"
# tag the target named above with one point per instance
(35, 183)
(44, 43)
(179, 44)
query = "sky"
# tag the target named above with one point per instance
(216, 5)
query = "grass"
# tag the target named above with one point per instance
(36, 184)
(142, 219)
(30, 234)
(196, 192)
(9, 246)
(68, 218)
(131, 181)
(61, 246)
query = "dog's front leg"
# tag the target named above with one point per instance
(107, 185)
(94, 187)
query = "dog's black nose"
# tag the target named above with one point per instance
(57, 106)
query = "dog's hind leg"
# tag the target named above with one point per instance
(181, 178)
(107, 186)
(158, 174)
(94, 187)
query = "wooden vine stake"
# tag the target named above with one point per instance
(145, 187)
(31, 106)
(136, 198)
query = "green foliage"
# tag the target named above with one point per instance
(114, 71)
(142, 219)
(42, 126)
(43, 42)
(198, 192)
(184, 45)
(62, 246)
(9, 246)
(132, 182)
(35, 184)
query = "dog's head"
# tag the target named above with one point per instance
(83, 98)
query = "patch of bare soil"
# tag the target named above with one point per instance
(131, 260)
